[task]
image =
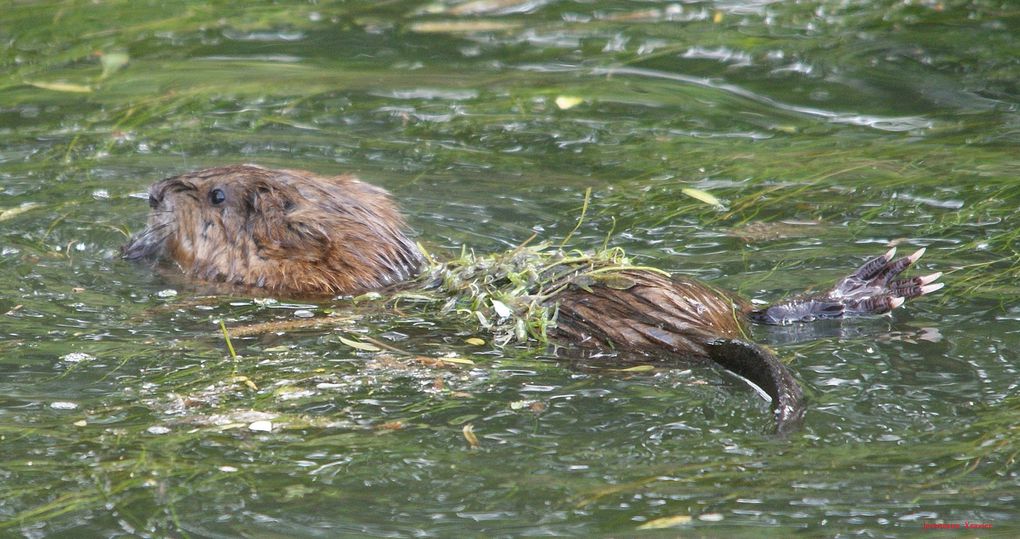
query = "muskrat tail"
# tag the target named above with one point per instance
(673, 316)
(761, 368)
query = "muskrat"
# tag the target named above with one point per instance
(295, 233)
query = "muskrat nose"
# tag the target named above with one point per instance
(144, 244)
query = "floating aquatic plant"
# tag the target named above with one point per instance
(509, 293)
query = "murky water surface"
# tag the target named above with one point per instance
(829, 130)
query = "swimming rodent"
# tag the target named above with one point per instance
(295, 233)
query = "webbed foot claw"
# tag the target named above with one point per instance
(870, 289)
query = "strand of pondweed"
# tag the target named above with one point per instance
(580, 220)
(226, 337)
(511, 294)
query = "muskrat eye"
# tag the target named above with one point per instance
(153, 202)
(217, 196)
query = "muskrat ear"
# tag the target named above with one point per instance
(269, 201)
(277, 229)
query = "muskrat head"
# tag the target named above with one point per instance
(288, 231)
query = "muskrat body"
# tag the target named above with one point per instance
(290, 232)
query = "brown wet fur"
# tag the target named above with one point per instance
(296, 233)
(655, 313)
(285, 231)
(677, 317)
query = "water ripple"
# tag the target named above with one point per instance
(882, 123)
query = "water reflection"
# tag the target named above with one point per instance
(845, 331)
(894, 124)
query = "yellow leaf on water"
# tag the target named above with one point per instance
(442, 362)
(704, 196)
(475, 341)
(469, 435)
(457, 360)
(11, 212)
(637, 368)
(358, 345)
(461, 27)
(565, 102)
(61, 86)
(666, 522)
(246, 381)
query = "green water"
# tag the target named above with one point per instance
(829, 130)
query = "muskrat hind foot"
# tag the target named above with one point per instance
(868, 290)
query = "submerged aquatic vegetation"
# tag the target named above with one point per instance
(508, 293)
(822, 128)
